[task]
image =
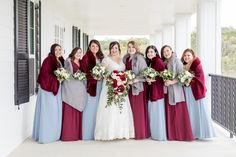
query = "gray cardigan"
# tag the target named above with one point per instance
(138, 64)
(73, 91)
(175, 92)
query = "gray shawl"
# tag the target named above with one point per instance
(138, 64)
(175, 92)
(73, 91)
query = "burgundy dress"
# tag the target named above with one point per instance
(139, 109)
(71, 119)
(177, 121)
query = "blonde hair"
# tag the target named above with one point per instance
(135, 44)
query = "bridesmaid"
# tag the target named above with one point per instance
(178, 122)
(135, 61)
(195, 97)
(93, 56)
(74, 98)
(156, 106)
(48, 111)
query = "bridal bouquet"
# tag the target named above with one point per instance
(150, 74)
(185, 78)
(62, 74)
(117, 88)
(166, 75)
(79, 75)
(99, 71)
(130, 76)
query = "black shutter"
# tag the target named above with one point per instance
(78, 37)
(75, 37)
(21, 52)
(85, 41)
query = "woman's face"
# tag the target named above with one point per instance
(115, 51)
(151, 53)
(188, 57)
(167, 53)
(94, 48)
(78, 54)
(58, 51)
(131, 49)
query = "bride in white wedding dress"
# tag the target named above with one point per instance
(111, 123)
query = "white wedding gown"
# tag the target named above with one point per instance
(110, 123)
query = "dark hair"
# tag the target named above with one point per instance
(99, 54)
(146, 52)
(188, 50)
(113, 43)
(52, 49)
(162, 49)
(73, 52)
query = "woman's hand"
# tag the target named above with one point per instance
(132, 82)
(149, 81)
(135, 80)
(170, 82)
(96, 78)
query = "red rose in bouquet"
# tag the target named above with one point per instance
(121, 89)
(117, 88)
(114, 83)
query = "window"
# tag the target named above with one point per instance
(59, 36)
(31, 29)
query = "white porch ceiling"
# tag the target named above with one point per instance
(127, 17)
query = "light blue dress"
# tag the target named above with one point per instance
(48, 117)
(157, 120)
(90, 114)
(199, 114)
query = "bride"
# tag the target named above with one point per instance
(110, 123)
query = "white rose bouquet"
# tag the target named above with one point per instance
(79, 75)
(185, 78)
(99, 71)
(150, 74)
(62, 74)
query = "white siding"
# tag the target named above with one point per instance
(16, 125)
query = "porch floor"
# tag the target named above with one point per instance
(221, 146)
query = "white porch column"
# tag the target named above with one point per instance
(156, 39)
(209, 35)
(168, 36)
(209, 38)
(182, 33)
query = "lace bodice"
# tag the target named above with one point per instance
(112, 65)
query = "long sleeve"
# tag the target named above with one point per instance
(157, 87)
(86, 68)
(47, 80)
(140, 65)
(87, 64)
(198, 83)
